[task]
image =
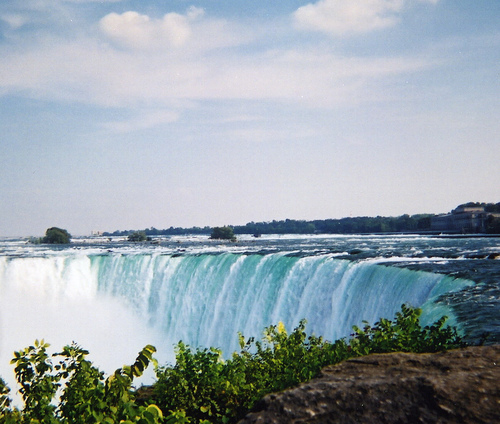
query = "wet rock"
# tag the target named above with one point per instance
(460, 386)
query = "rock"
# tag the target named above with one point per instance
(459, 386)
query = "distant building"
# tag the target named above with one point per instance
(463, 219)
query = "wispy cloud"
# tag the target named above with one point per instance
(14, 21)
(91, 72)
(143, 121)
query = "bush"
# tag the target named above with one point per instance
(201, 387)
(56, 235)
(82, 393)
(206, 388)
(137, 236)
(223, 233)
(405, 334)
(210, 389)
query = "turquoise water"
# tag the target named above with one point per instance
(114, 297)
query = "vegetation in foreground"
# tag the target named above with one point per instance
(201, 387)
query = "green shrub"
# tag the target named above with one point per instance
(73, 391)
(206, 388)
(201, 387)
(209, 388)
(56, 235)
(405, 334)
(137, 236)
(223, 233)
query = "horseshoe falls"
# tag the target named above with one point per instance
(113, 298)
(205, 300)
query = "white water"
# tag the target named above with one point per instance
(114, 304)
(57, 299)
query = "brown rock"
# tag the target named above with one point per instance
(459, 386)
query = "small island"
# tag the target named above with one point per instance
(55, 235)
(137, 236)
(223, 233)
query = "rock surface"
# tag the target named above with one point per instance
(459, 386)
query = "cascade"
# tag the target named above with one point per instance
(124, 301)
(206, 299)
(57, 299)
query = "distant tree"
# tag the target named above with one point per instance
(492, 207)
(137, 236)
(35, 240)
(223, 233)
(424, 222)
(493, 225)
(56, 235)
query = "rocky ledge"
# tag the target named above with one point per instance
(459, 386)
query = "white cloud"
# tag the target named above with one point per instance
(137, 31)
(315, 78)
(93, 73)
(347, 17)
(152, 74)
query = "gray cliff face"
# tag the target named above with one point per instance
(460, 386)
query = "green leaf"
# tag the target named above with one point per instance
(153, 409)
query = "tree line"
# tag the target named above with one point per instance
(351, 225)
(356, 225)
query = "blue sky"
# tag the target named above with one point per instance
(132, 114)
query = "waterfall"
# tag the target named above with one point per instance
(206, 299)
(57, 299)
(127, 300)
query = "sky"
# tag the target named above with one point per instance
(132, 114)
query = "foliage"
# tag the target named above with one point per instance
(206, 388)
(415, 223)
(83, 395)
(56, 235)
(223, 233)
(202, 387)
(209, 388)
(4, 397)
(364, 224)
(493, 225)
(137, 236)
(405, 334)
